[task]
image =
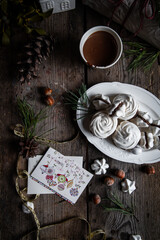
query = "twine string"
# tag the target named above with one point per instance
(144, 7)
(23, 174)
(146, 4)
(117, 5)
(19, 131)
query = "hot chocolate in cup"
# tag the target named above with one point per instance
(101, 47)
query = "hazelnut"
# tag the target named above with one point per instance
(109, 181)
(120, 173)
(47, 91)
(96, 199)
(49, 100)
(149, 170)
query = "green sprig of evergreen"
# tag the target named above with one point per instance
(118, 206)
(143, 55)
(79, 100)
(29, 118)
(29, 129)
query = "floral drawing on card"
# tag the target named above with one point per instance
(62, 175)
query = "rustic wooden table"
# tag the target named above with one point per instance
(64, 70)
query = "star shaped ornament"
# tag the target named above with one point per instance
(128, 186)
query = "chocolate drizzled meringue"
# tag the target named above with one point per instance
(124, 107)
(143, 119)
(101, 101)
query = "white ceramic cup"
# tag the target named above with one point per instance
(108, 30)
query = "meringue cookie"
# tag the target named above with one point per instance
(124, 107)
(127, 135)
(128, 186)
(27, 210)
(135, 237)
(143, 119)
(100, 166)
(137, 150)
(148, 140)
(101, 101)
(102, 125)
(155, 127)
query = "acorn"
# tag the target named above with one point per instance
(47, 91)
(96, 199)
(150, 170)
(120, 173)
(49, 100)
(109, 181)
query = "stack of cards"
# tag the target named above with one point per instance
(34, 187)
(58, 174)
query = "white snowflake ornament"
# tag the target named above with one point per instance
(100, 166)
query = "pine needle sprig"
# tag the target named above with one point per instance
(144, 55)
(79, 101)
(119, 206)
(30, 133)
(29, 118)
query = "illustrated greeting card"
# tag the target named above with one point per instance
(61, 175)
(36, 188)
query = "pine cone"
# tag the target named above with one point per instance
(29, 148)
(35, 52)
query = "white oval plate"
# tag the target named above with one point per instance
(147, 103)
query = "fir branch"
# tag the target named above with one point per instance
(29, 132)
(45, 133)
(29, 118)
(119, 206)
(79, 101)
(144, 55)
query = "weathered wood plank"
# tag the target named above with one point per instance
(63, 71)
(145, 200)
